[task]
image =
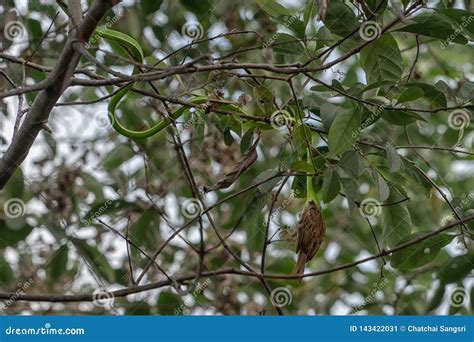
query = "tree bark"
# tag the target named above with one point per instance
(56, 83)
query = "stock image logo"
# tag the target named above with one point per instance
(370, 30)
(370, 208)
(459, 297)
(281, 296)
(103, 298)
(14, 31)
(14, 208)
(193, 30)
(191, 208)
(459, 119)
(281, 118)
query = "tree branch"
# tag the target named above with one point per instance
(151, 286)
(57, 81)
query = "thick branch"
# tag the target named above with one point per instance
(57, 81)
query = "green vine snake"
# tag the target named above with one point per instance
(132, 48)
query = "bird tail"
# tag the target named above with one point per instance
(299, 267)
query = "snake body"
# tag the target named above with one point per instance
(133, 49)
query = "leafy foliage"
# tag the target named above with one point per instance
(372, 112)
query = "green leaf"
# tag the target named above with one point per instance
(394, 161)
(246, 140)
(57, 266)
(396, 219)
(93, 185)
(264, 99)
(373, 6)
(200, 8)
(296, 25)
(302, 166)
(461, 19)
(328, 113)
(140, 308)
(382, 187)
(411, 94)
(118, 156)
(343, 132)
(351, 190)
(437, 298)
(421, 253)
(107, 207)
(10, 237)
(6, 273)
(169, 303)
(382, 60)
(340, 19)
(401, 118)
(457, 268)
(150, 6)
(273, 8)
(331, 185)
(146, 230)
(434, 98)
(254, 223)
(95, 259)
(35, 29)
(309, 12)
(15, 187)
(286, 44)
(349, 162)
(437, 25)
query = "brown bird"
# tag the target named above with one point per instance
(310, 235)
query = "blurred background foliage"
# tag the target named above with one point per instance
(83, 166)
